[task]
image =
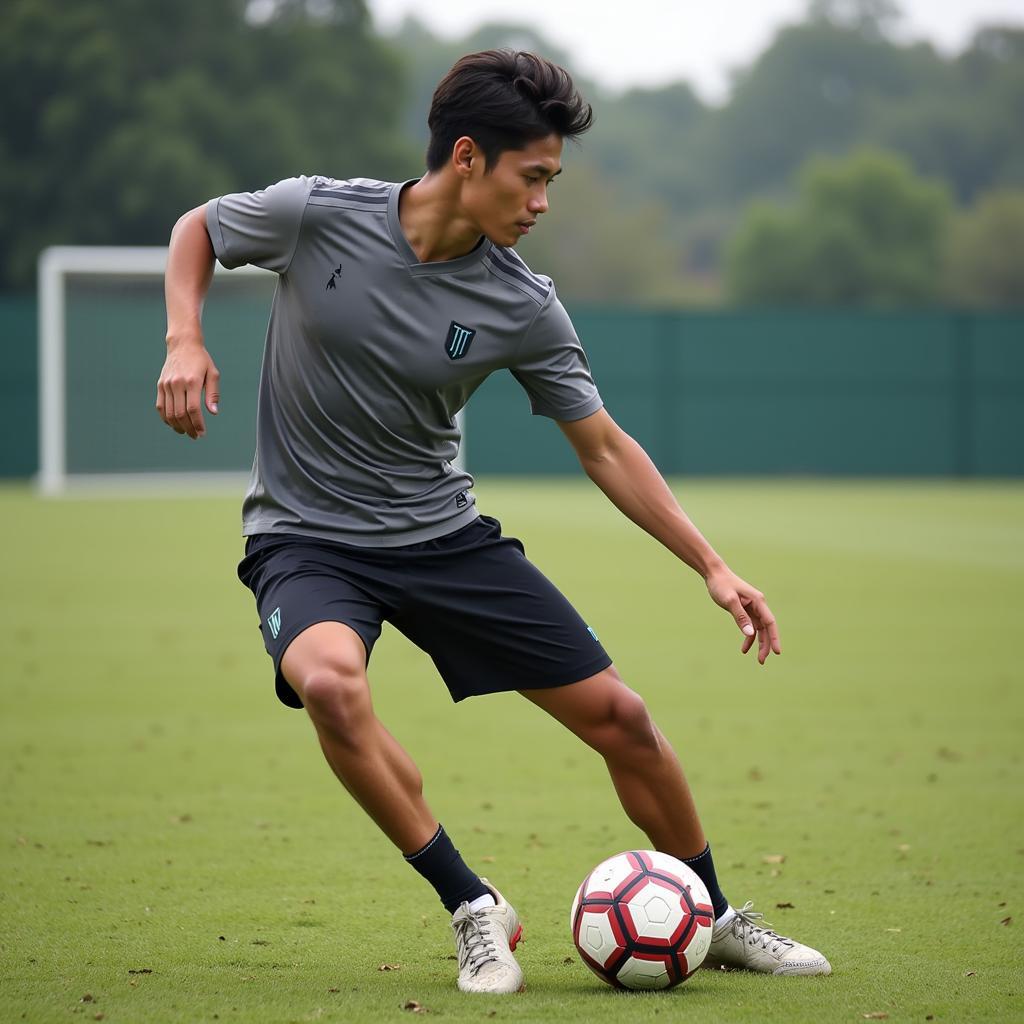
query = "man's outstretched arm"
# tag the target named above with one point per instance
(624, 471)
(188, 369)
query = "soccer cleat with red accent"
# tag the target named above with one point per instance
(743, 942)
(484, 941)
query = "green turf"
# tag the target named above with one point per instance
(173, 847)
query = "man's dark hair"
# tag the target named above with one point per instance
(503, 99)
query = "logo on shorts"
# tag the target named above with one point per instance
(459, 340)
(274, 622)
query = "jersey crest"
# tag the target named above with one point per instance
(458, 341)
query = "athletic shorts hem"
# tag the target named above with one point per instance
(567, 678)
(285, 691)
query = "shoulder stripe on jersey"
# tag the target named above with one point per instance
(514, 259)
(515, 262)
(359, 183)
(352, 187)
(359, 197)
(510, 268)
(513, 281)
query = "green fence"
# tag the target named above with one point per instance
(731, 392)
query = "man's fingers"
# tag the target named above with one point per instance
(170, 413)
(767, 631)
(213, 390)
(194, 408)
(739, 613)
(182, 417)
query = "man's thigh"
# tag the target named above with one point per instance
(493, 622)
(299, 584)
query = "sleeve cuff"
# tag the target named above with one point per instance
(220, 249)
(577, 412)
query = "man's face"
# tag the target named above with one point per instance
(506, 202)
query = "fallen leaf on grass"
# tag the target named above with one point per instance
(1006, 920)
(334, 990)
(390, 967)
(894, 929)
(568, 960)
(98, 1016)
(774, 858)
(140, 970)
(413, 1007)
(970, 974)
(87, 998)
(875, 1016)
(784, 906)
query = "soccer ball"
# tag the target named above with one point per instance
(642, 920)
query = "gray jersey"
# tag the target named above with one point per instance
(370, 354)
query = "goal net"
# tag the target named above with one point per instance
(101, 328)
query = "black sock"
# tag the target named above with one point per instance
(440, 864)
(704, 866)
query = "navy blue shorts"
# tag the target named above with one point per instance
(489, 619)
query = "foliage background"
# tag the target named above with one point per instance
(118, 117)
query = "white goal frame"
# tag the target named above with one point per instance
(55, 265)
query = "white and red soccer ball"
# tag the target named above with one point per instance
(642, 920)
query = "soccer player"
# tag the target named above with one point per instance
(394, 302)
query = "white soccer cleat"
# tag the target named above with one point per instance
(743, 942)
(484, 941)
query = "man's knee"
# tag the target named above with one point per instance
(625, 724)
(633, 721)
(337, 697)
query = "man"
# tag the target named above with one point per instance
(395, 301)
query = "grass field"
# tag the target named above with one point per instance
(173, 849)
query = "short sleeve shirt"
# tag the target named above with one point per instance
(370, 355)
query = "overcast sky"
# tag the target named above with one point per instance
(661, 41)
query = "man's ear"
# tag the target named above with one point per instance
(464, 154)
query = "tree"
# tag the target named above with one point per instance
(120, 116)
(866, 231)
(986, 252)
(874, 19)
(600, 248)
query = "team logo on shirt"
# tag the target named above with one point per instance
(334, 274)
(459, 340)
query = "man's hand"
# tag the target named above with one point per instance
(188, 370)
(748, 607)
